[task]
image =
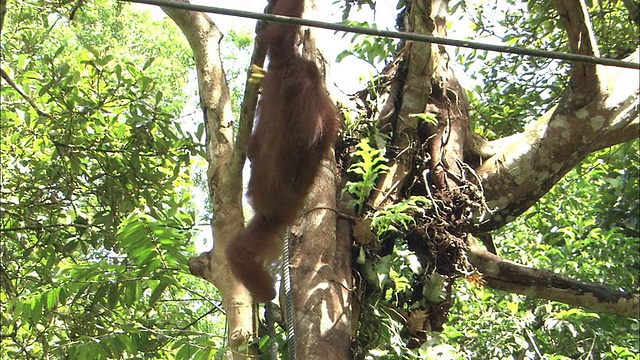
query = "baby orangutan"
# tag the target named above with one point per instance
(297, 124)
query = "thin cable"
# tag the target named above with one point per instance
(286, 263)
(392, 34)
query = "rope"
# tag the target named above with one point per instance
(286, 263)
(392, 34)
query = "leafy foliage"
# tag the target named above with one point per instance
(373, 50)
(568, 230)
(512, 91)
(577, 229)
(402, 213)
(371, 166)
(96, 204)
(586, 227)
(97, 213)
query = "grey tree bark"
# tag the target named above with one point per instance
(224, 174)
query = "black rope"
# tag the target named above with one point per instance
(392, 34)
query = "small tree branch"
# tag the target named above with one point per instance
(508, 276)
(634, 10)
(250, 98)
(3, 12)
(24, 95)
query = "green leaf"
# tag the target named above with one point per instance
(159, 97)
(150, 267)
(62, 70)
(429, 118)
(157, 293)
(186, 352)
(36, 310)
(52, 298)
(131, 294)
(100, 294)
(113, 295)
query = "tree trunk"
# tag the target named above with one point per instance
(321, 276)
(321, 267)
(224, 173)
(321, 261)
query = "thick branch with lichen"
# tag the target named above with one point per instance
(509, 276)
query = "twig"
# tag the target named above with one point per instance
(23, 94)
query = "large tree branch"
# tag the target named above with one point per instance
(508, 276)
(415, 93)
(523, 167)
(224, 174)
(321, 266)
(625, 114)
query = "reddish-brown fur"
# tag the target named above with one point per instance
(297, 124)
